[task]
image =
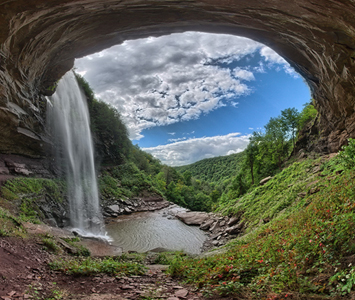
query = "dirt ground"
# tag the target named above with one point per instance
(24, 274)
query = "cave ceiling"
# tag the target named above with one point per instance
(39, 41)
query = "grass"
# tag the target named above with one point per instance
(10, 225)
(279, 195)
(81, 250)
(25, 193)
(299, 253)
(93, 266)
(50, 244)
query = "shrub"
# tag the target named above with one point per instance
(347, 156)
(92, 266)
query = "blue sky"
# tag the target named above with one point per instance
(189, 96)
(272, 91)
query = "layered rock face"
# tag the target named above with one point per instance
(40, 39)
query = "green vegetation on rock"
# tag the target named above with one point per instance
(25, 196)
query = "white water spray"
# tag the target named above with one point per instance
(70, 126)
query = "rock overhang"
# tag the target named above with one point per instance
(39, 41)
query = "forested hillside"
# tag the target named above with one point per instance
(215, 169)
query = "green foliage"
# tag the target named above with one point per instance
(299, 252)
(216, 169)
(50, 244)
(125, 181)
(92, 266)
(145, 161)
(347, 156)
(290, 119)
(15, 188)
(167, 258)
(27, 191)
(267, 201)
(308, 114)
(343, 281)
(80, 249)
(10, 225)
(264, 156)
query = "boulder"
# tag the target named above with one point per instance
(114, 208)
(193, 217)
(127, 210)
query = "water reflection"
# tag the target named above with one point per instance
(145, 231)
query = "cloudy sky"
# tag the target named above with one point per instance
(189, 96)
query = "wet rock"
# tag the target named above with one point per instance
(207, 224)
(114, 208)
(127, 210)
(128, 202)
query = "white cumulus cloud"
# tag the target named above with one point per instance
(191, 150)
(164, 80)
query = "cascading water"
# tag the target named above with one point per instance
(69, 124)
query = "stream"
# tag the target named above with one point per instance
(144, 231)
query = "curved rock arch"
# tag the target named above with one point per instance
(40, 39)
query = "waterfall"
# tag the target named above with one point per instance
(69, 124)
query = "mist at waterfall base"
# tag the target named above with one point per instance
(69, 124)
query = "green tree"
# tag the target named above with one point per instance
(308, 113)
(187, 177)
(275, 141)
(290, 118)
(251, 153)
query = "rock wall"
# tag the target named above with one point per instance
(40, 39)
(14, 165)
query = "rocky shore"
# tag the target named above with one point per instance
(137, 204)
(220, 229)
